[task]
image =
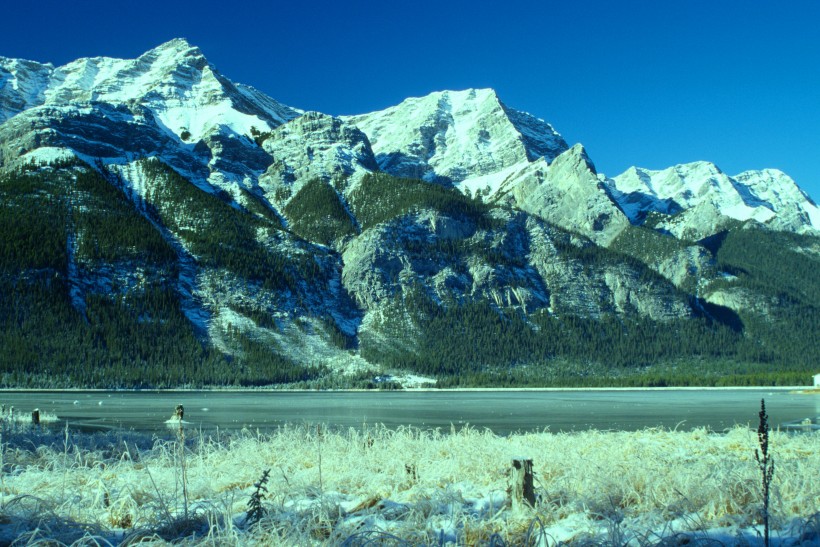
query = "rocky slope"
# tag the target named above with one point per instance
(449, 235)
(314, 146)
(567, 193)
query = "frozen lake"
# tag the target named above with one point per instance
(501, 411)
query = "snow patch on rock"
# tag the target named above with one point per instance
(700, 198)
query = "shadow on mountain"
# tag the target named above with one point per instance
(720, 314)
(409, 167)
(714, 242)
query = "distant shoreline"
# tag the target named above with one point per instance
(807, 389)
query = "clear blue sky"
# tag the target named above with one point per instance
(650, 83)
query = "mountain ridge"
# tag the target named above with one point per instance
(449, 235)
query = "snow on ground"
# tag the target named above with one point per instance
(491, 183)
(374, 486)
(409, 381)
(46, 155)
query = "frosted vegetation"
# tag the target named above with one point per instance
(374, 486)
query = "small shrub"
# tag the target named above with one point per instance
(766, 465)
(255, 509)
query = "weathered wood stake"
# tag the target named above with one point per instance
(180, 413)
(521, 485)
(35, 416)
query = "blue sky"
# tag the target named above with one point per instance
(650, 83)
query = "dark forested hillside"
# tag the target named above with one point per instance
(88, 292)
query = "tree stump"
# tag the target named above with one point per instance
(521, 484)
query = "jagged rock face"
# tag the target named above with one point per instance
(577, 288)
(702, 200)
(96, 130)
(742, 301)
(181, 109)
(314, 146)
(22, 85)
(475, 264)
(686, 267)
(566, 193)
(518, 264)
(455, 135)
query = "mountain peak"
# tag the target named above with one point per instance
(580, 152)
(700, 167)
(177, 47)
(449, 136)
(172, 54)
(463, 95)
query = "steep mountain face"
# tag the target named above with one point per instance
(452, 136)
(314, 146)
(566, 192)
(167, 226)
(23, 84)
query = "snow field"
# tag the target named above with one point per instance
(407, 487)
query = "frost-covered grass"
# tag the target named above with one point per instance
(374, 486)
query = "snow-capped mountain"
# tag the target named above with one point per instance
(447, 233)
(184, 92)
(699, 199)
(452, 136)
(169, 102)
(23, 85)
(794, 209)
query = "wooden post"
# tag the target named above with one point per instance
(180, 413)
(521, 485)
(35, 416)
